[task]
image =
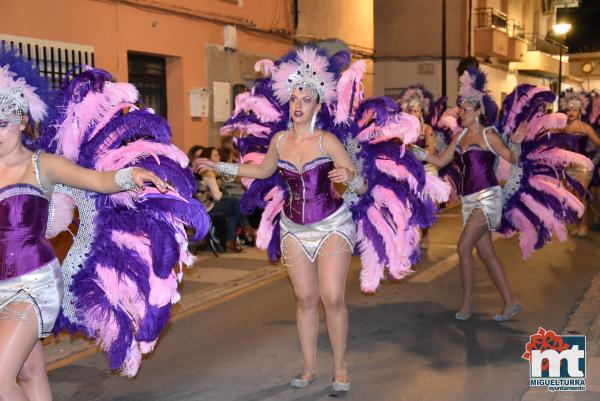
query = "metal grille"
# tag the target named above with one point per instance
(149, 75)
(54, 59)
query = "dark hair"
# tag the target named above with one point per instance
(30, 137)
(207, 152)
(193, 150)
(225, 154)
(466, 63)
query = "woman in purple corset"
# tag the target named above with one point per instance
(475, 151)
(576, 105)
(31, 284)
(317, 231)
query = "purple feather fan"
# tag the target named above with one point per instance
(121, 273)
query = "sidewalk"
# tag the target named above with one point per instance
(584, 320)
(211, 281)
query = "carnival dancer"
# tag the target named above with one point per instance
(31, 284)
(475, 150)
(594, 121)
(304, 128)
(317, 231)
(533, 201)
(577, 105)
(416, 100)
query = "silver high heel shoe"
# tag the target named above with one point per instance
(516, 308)
(464, 315)
(338, 386)
(298, 382)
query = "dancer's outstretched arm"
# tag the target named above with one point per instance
(260, 171)
(444, 158)
(58, 170)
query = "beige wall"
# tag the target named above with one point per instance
(114, 28)
(413, 28)
(349, 20)
(400, 74)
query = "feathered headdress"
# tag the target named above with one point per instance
(570, 99)
(472, 89)
(416, 94)
(22, 90)
(306, 69)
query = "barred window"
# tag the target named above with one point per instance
(54, 59)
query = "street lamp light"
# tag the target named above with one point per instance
(561, 31)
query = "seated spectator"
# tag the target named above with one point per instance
(218, 205)
(235, 187)
(195, 152)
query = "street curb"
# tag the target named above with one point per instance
(74, 348)
(585, 320)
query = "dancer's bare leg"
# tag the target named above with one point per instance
(485, 250)
(474, 228)
(333, 263)
(582, 223)
(33, 377)
(18, 336)
(305, 282)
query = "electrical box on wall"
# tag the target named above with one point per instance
(221, 101)
(230, 37)
(199, 100)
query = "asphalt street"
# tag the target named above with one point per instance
(404, 343)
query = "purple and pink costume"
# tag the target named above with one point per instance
(478, 186)
(313, 209)
(29, 270)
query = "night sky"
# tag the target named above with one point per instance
(585, 32)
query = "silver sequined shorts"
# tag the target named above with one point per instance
(489, 200)
(312, 236)
(42, 288)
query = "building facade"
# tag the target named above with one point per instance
(188, 58)
(169, 49)
(509, 38)
(351, 21)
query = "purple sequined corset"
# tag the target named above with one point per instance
(573, 142)
(580, 143)
(23, 219)
(477, 169)
(310, 194)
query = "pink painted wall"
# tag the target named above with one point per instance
(114, 28)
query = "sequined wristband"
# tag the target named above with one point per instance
(419, 153)
(228, 171)
(356, 183)
(515, 148)
(124, 180)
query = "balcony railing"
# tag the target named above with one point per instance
(488, 17)
(545, 45)
(515, 29)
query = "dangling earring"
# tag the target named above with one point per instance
(477, 121)
(290, 124)
(312, 123)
